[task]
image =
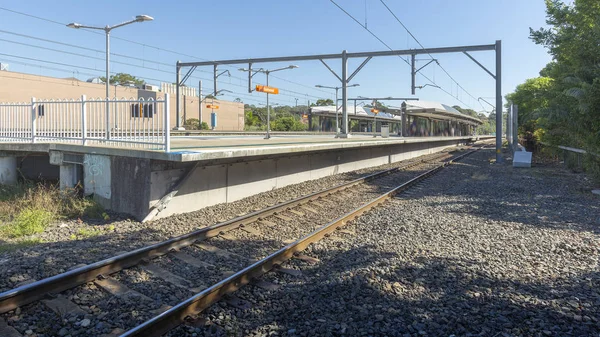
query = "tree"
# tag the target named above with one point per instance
(468, 112)
(564, 102)
(124, 79)
(287, 123)
(324, 102)
(238, 100)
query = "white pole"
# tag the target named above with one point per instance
(337, 125)
(107, 82)
(268, 112)
(33, 120)
(83, 121)
(200, 105)
(167, 124)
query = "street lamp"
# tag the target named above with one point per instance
(267, 72)
(337, 127)
(107, 29)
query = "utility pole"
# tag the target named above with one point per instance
(200, 105)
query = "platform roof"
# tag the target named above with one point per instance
(358, 113)
(437, 110)
(419, 108)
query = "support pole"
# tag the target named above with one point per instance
(177, 102)
(413, 74)
(200, 105)
(268, 136)
(34, 120)
(249, 77)
(167, 123)
(508, 126)
(403, 128)
(515, 128)
(337, 113)
(107, 117)
(83, 121)
(344, 131)
(215, 79)
(498, 101)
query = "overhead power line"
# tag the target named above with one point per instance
(283, 90)
(424, 49)
(390, 48)
(140, 44)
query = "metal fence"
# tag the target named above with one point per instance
(119, 122)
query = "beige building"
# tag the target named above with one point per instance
(21, 87)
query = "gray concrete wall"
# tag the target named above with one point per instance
(134, 185)
(211, 185)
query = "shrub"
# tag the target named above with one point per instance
(27, 209)
(29, 221)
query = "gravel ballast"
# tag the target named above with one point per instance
(479, 249)
(62, 247)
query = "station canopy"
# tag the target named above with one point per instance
(354, 113)
(435, 110)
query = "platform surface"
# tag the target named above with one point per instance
(197, 148)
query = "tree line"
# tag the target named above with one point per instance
(562, 105)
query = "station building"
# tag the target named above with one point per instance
(20, 87)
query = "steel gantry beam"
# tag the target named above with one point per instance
(345, 56)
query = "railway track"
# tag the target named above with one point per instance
(209, 263)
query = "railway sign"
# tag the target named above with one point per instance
(212, 106)
(268, 90)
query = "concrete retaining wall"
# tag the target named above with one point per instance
(211, 185)
(133, 185)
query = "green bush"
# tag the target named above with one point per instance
(27, 209)
(29, 221)
(287, 124)
(194, 124)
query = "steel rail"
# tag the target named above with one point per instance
(173, 317)
(34, 291)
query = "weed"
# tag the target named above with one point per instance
(28, 221)
(27, 208)
(111, 228)
(87, 233)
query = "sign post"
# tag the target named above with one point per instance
(213, 115)
(375, 112)
(268, 90)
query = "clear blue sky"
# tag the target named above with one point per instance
(239, 29)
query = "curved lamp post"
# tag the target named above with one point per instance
(107, 29)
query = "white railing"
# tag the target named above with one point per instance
(125, 122)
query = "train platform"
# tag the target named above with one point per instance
(222, 146)
(204, 170)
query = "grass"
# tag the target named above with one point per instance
(28, 221)
(87, 233)
(27, 209)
